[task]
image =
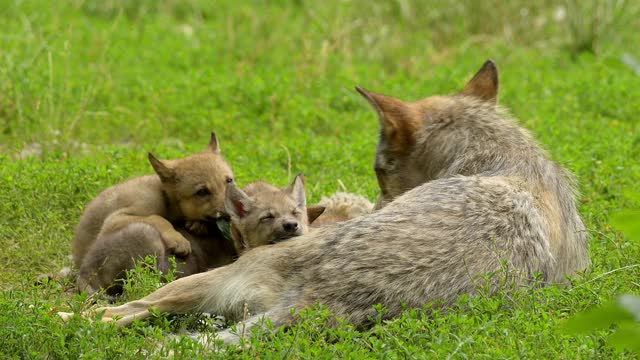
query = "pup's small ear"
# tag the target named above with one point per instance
(314, 211)
(236, 202)
(484, 84)
(396, 119)
(161, 168)
(213, 144)
(296, 191)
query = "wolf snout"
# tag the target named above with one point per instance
(290, 226)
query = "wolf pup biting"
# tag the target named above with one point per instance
(189, 190)
(465, 191)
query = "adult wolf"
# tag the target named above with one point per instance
(465, 191)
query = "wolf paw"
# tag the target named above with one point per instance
(108, 314)
(176, 243)
(66, 316)
(197, 227)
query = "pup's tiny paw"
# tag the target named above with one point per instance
(177, 244)
(197, 227)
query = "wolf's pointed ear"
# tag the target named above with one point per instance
(314, 211)
(165, 173)
(296, 190)
(484, 84)
(213, 144)
(395, 117)
(236, 202)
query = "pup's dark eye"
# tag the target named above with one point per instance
(267, 217)
(229, 180)
(203, 192)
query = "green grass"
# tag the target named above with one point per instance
(87, 87)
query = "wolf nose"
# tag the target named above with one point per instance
(290, 226)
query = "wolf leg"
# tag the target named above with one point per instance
(223, 291)
(178, 297)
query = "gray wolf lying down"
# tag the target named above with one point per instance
(464, 191)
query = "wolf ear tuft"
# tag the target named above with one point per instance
(236, 202)
(484, 84)
(314, 211)
(390, 110)
(296, 190)
(396, 121)
(165, 172)
(213, 144)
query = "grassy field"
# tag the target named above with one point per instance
(88, 87)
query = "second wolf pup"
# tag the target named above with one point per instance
(263, 214)
(339, 207)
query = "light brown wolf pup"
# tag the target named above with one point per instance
(339, 207)
(261, 214)
(189, 190)
(465, 191)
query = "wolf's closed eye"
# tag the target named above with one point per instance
(267, 217)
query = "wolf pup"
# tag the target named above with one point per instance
(339, 207)
(464, 191)
(261, 214)
(189, 190)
